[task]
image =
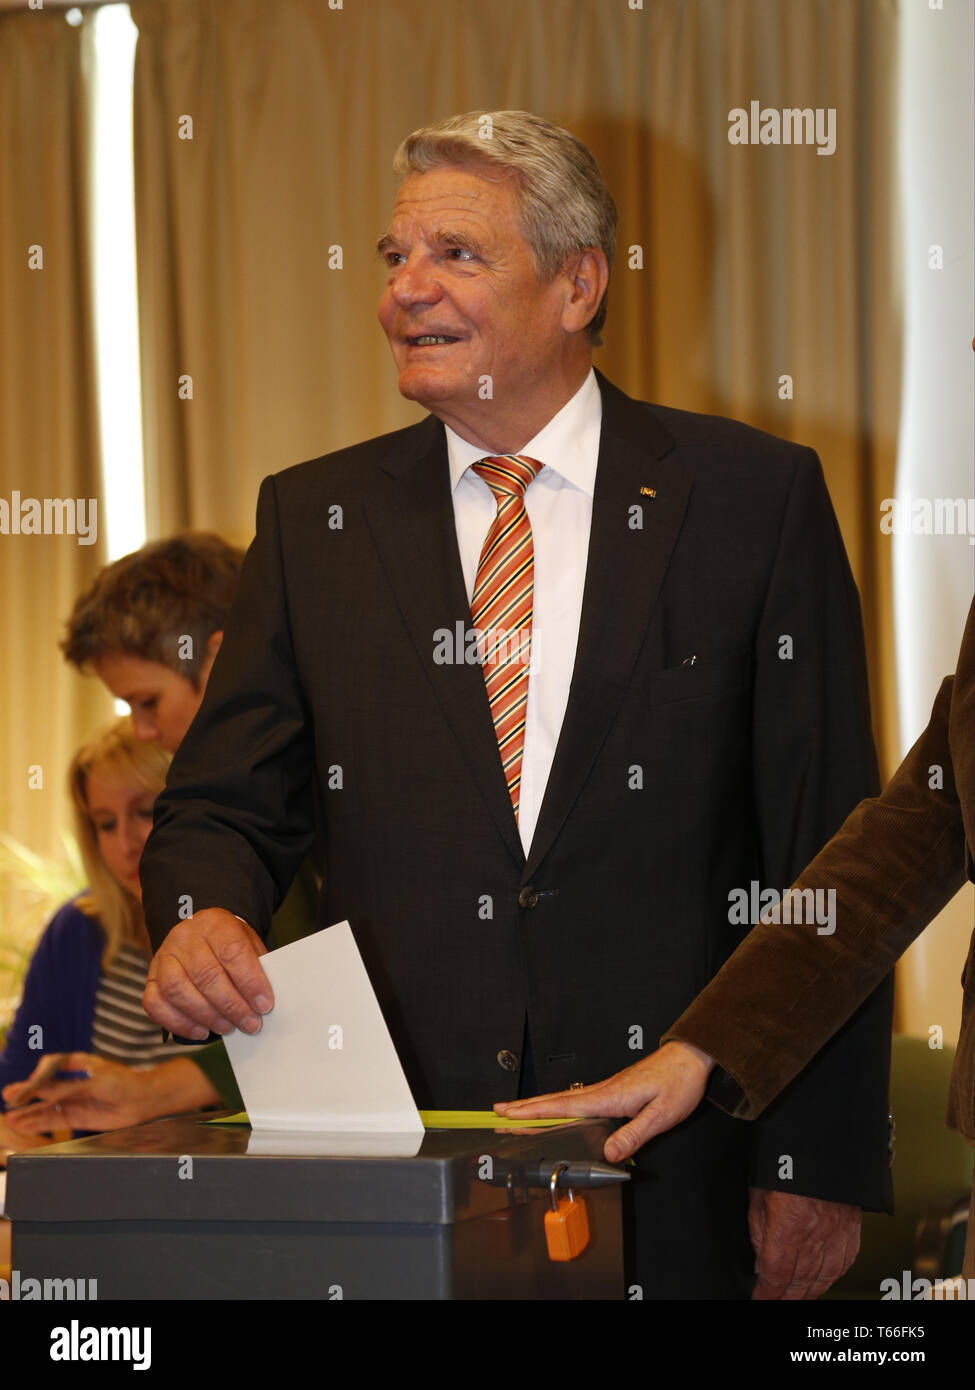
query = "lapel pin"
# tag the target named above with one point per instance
(648, 492)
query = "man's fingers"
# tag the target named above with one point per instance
(191, 1016)
(797, 1290)
(786, 1269)
(802, 1287)
(839, 1258)
(237, 948)
(774, 1277)
(775, 1265)
(852, 1247)
(651, 1121)
(802, 1245)
(172, 999)
(833, 1265)
(656, 1093)
(207, 976)
(602, 1101)
(819, 1265)
(587, 1100)
(818, 1287)
(504, 1106)
(173, 1020)
(766, 1291)
(191, 980)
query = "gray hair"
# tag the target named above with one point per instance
(564, 205)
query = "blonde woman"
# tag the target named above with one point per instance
(82, 994)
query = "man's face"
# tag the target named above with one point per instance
(163, 703)
(460, 270)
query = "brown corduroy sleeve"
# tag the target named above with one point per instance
(893, 864)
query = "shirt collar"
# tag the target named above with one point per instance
(568, 444)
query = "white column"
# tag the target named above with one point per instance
(933, 569)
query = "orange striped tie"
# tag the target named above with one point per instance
(501, 607)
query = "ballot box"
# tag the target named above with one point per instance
(182, 1209)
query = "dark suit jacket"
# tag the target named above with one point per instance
(894, 864)
(672, 784)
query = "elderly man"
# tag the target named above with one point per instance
(552, 673)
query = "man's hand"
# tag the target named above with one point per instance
(112, 1096)
(206, 976)
(658, 1092)
(801, 1245)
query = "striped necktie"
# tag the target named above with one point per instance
(501, 607)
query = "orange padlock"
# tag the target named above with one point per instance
(567, 1224)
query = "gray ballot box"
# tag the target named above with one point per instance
(180, 1209)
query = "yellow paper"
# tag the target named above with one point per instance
(481, 1119)
(443, 1119)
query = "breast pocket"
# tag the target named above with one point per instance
(691, 715)
(705, 676)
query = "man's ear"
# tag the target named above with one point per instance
(587, 275)
(214, 642)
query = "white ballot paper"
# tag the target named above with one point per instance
(323, 1061)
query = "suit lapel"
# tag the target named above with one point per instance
(624, 573)
(411, 518)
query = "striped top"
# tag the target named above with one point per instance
(121, 1029)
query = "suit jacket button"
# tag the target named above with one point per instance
(507, 1060)
(528, 897)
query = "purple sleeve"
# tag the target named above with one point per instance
(58, 1004)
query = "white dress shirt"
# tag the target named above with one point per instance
(559, 506)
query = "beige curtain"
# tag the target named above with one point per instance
(757, 261)
(48, 438)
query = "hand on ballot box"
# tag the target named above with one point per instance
(656, 1093)
(105, 1095)
(801, 1245)
(207, 977)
